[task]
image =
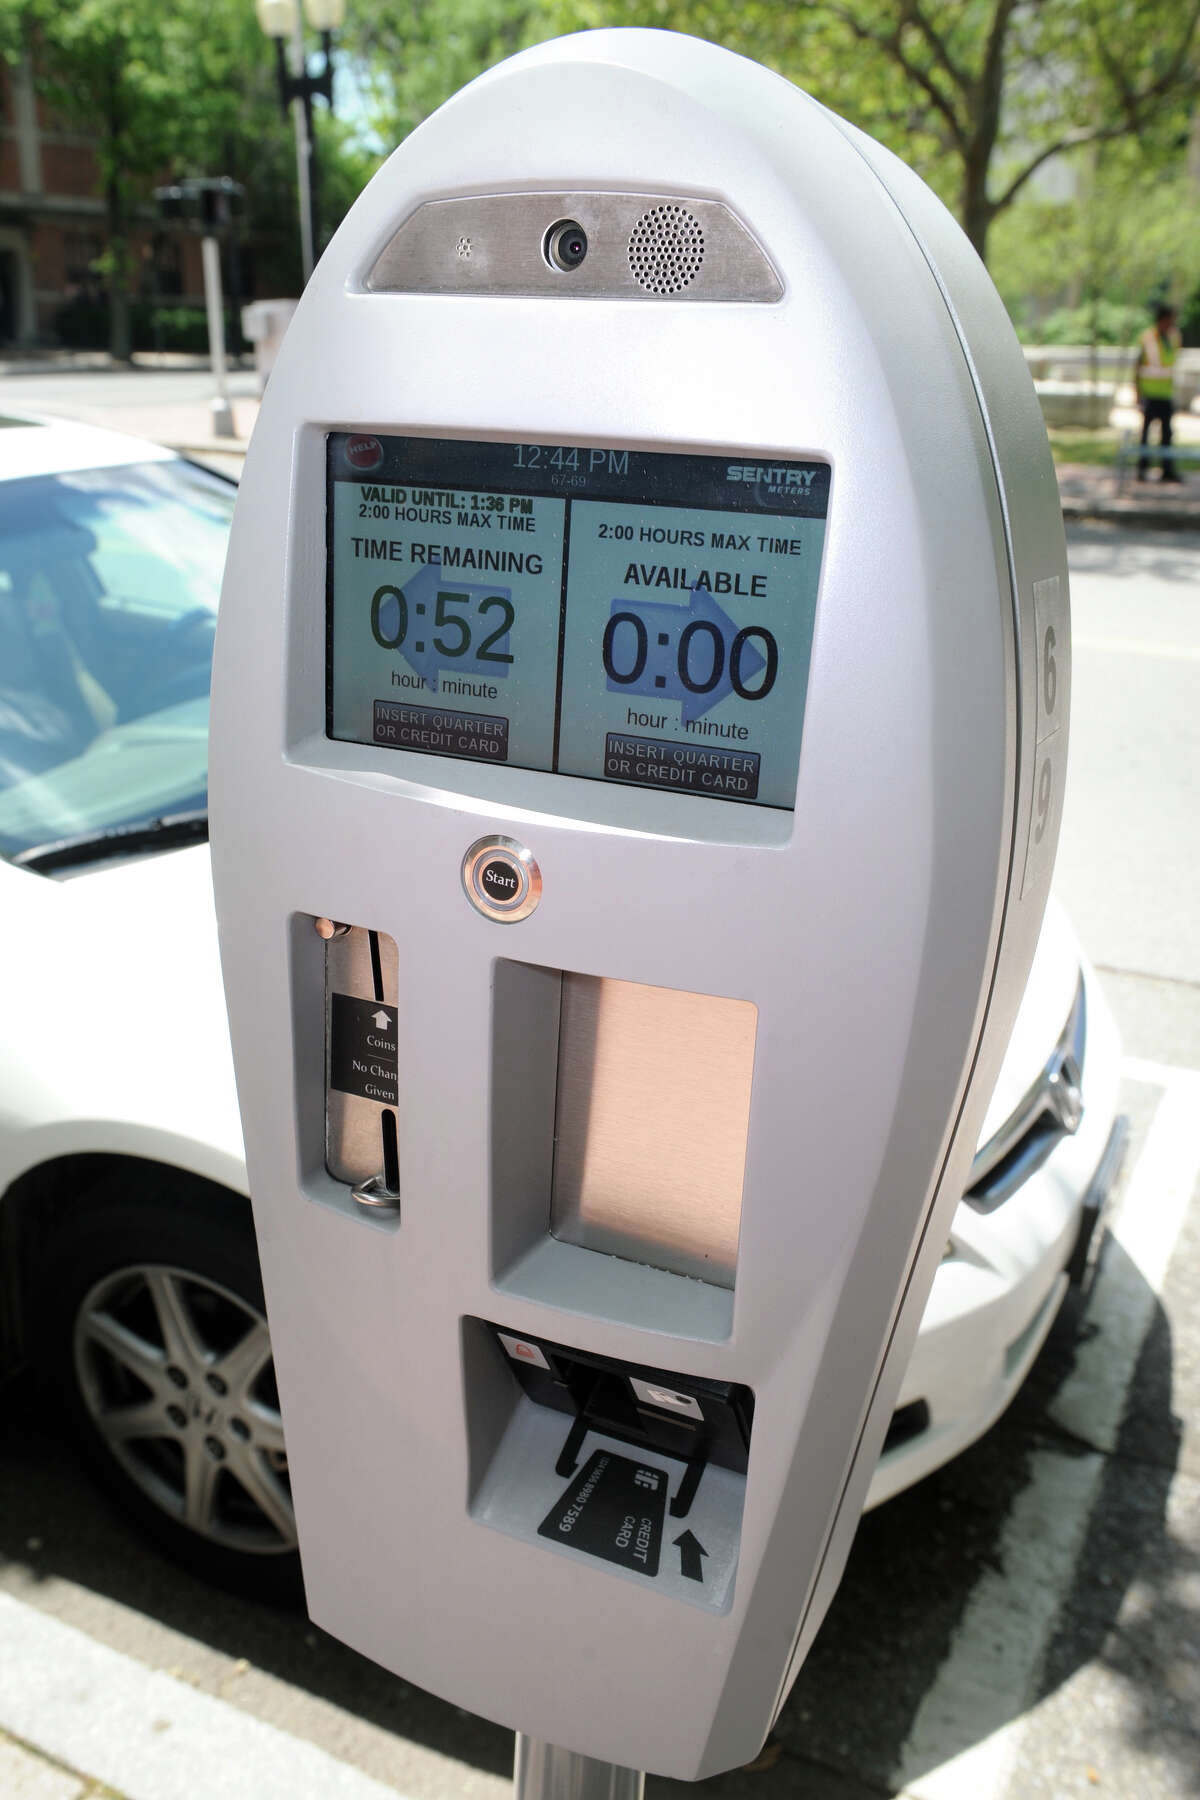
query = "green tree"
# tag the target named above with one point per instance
(977, 94)
(411, 58)
(87, 59)
(1130, 235)
(187, 88)
(1000, 89)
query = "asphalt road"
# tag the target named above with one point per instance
(1022, 1626)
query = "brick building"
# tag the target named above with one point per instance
(52, 221)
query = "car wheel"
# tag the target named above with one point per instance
(154, 1337)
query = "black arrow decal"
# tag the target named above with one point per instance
(690, 1552)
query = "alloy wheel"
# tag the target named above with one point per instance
(178, 1378)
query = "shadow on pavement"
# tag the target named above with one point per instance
(1133, 1611)
(1101, 548)
(55, 1524)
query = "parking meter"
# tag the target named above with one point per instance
(639, 727)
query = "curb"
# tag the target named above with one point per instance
(81, 1712)
(1140, 518)
(99, 362)
(206, 446)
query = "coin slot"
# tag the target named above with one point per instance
(361, 1069)
(391, 1154)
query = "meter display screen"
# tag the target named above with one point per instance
(628, 616)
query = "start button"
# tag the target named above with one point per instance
(501, 879)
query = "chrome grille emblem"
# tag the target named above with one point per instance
(1049, 1112)
(1064, 1093)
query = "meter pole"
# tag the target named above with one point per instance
(548, 1772)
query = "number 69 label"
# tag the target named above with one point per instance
(1052, 624)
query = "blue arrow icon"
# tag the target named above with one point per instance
(695, 639)
(447, 620)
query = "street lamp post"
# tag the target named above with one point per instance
(280, 20)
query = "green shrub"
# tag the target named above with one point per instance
(1107, 322)
(84, 325)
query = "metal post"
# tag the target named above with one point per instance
(314, 176)
(302, 119)
(548, 1772)
(219, 407)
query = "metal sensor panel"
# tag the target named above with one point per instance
(639, 247)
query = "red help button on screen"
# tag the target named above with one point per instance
(364, 452)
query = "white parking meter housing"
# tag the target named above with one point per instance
(639, 730)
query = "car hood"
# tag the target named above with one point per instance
(125, 1042)
(114, 976)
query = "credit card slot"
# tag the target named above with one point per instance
(629, 1470)
(681, 1416)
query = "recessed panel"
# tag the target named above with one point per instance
(652, 1119)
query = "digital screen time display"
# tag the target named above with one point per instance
(624, 615)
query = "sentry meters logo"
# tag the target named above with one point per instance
(364, 452)
(774, 479)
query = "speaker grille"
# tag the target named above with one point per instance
(666, 249)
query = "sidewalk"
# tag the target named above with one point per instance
(75, 362)
(183, 422)
(1089, 491)
(81, 1721)
(188, 429)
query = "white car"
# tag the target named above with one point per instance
(129, 1275)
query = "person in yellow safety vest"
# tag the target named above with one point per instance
(1158, 347)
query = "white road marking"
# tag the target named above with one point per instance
(145, 1734)
(986, 1682)
(1137, 647)
(1156, 1074)
(981, 1690)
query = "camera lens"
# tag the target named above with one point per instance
(565, 245)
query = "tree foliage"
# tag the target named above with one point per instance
(167, 90)
(980, 96)
(977, 94)
(996, 90)
(410, 58)
(1128, 237)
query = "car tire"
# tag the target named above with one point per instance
(151, 1333)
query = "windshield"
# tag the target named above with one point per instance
(109, 581)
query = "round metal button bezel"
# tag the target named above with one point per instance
(514, 856)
